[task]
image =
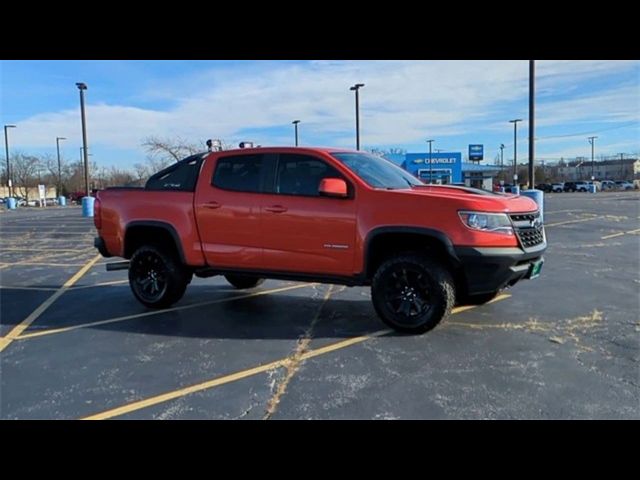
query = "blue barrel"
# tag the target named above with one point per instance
(515, 190)
(538, 197)
(87, 206)
(11, 203)
(592, 188)
(501, 190)
(62, 201)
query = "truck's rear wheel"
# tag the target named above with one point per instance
(243, 281)
(412, 293)
(157, 279)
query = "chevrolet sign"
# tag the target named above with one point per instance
(476, 152)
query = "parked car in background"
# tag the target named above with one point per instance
(569, 186)
(607, 185)
(76, 197)
(545, 187)
(49, 202)
(624, 185)
(581, 187)
(557, 187)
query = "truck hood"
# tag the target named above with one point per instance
(474, 199)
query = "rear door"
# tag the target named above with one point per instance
(227, 206)
(301, 230)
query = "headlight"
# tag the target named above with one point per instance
(487, 222)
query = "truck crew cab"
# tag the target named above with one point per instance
(320, 215)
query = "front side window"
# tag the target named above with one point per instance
(301, 174)
(239, 173)
(376, 171)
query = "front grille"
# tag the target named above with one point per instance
(529, 234)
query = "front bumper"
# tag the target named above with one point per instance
(491, 269)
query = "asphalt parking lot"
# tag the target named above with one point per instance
(76, 344)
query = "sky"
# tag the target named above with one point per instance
(403, 104)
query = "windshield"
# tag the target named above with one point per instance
(376, 171)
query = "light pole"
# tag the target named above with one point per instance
(592, 141)
(515, 148)
(6, 146)
(430, 162)
(532, 120)
(59, 166)
(82, 87)
(295, 123)
(356, 88)
(502, 159)
(621, 166)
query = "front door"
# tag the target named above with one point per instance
(301, 230)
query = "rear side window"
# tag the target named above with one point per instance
(239, 173)
(181, 176)
(301, 174)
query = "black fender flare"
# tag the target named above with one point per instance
(157, 224)
(438, 235)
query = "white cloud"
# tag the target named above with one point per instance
(402, 102)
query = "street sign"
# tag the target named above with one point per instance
(476, 152)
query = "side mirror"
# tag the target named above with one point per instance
(333, 187)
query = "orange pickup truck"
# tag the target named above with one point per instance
(319, 215)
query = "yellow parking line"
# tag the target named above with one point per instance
(562, 211)
(24, 324)
(101, 284)
(18, 287)
(172, 395)
(572, 221)
(165, 397)
(606, 237)
(54, 331)
(619, 234)
(55, 250)
(53, 289)
(42, 264)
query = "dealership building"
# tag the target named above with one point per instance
(446, 168)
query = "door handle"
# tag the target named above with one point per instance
(276, 209)
(212, 205)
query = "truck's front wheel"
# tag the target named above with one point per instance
(157, 278)
(412, 293)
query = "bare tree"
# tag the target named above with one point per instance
(25, 170)
(164, 151)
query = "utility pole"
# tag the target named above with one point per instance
(502, 160)
(295, 123)
(592, 141)
(82, 87)
(430, 162)
(515, 149)
(6, 146)
(532, 120)
(621, 166)
(356, 88)
(59, 166)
